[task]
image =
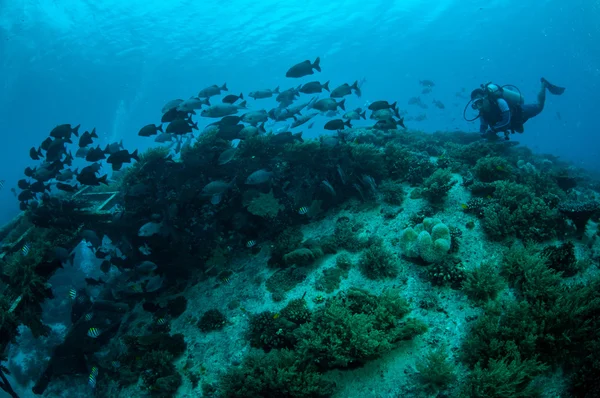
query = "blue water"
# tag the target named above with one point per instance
(113, 64)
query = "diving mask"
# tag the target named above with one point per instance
(477, 104)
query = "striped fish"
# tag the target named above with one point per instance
(116, 364)
(89, 316)
(2, 183)
(250, 243)
(72, 294)
(161, 321)
(93, 332)
(92, 377)
(25, 249)
(303, 210)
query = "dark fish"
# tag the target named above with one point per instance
(229, 120)
(181, 126)
(118, 158)
(382, 114)
(377, 105)
(101, 253)
(114, 147)
(67, 187)
(346, 89)
(25, 195)
(82, 153)
(39, 187)
(46, 143)
(260, 94)
(230, 132)
(87, 138)
(231, 98)
(35, 154)
(95, 154)
(304, 68)
(29, 171)
(93, 168)
(94, 282)
(286, 138)
(193, 103)
(212, 90)
(356, 114)
(388, 124)
(426, 83)
(149, 130)
(337, 124)
(314, 87)
(174, 114)
(64, 131)
(328, 104)
(105, 266)
(91, 179)
(56, 149)
(66, 175)
(288, 96)
(68, 159)
(169, 106)
(439, 104)
(23, 184)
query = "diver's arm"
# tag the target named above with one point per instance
(483, 126)
(504, 123)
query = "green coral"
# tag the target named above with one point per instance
(279, 373)
(378, 262)
(392, 192)
(436, 187)
(448, 272)
(436, 373)
(430, 240)
(356, 326)
(212, 320)
(492, 168)
(483, 283)
(368, 159)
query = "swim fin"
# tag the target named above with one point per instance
(552, 88)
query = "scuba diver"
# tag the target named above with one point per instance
(502, 108)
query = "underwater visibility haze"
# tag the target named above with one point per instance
(300, 199)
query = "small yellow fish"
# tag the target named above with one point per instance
(489, 196)
(499, 168)
(275, 316)
(464, 206)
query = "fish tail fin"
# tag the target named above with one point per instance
(107, 149)
(317, 65)
(342, 103)
(159, 128)
(364, 115)
(93, 133)
(326, 86)
(242, 105)
(135, 156)
(298, 136)
(401, 122)
(347, 123)
(276, 91)
(121, 144)
(241, 95)
(195, 126)
(207, 102)
(47, 187)
(103, 179)
(224, 87)
(393, 106)
(356, 89)
(76, 172)
(261, 128)
(397, 113)
(39, 152)
(76, 130)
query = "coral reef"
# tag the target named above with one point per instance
(429, 240)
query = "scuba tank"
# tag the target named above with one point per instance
(511, 95)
